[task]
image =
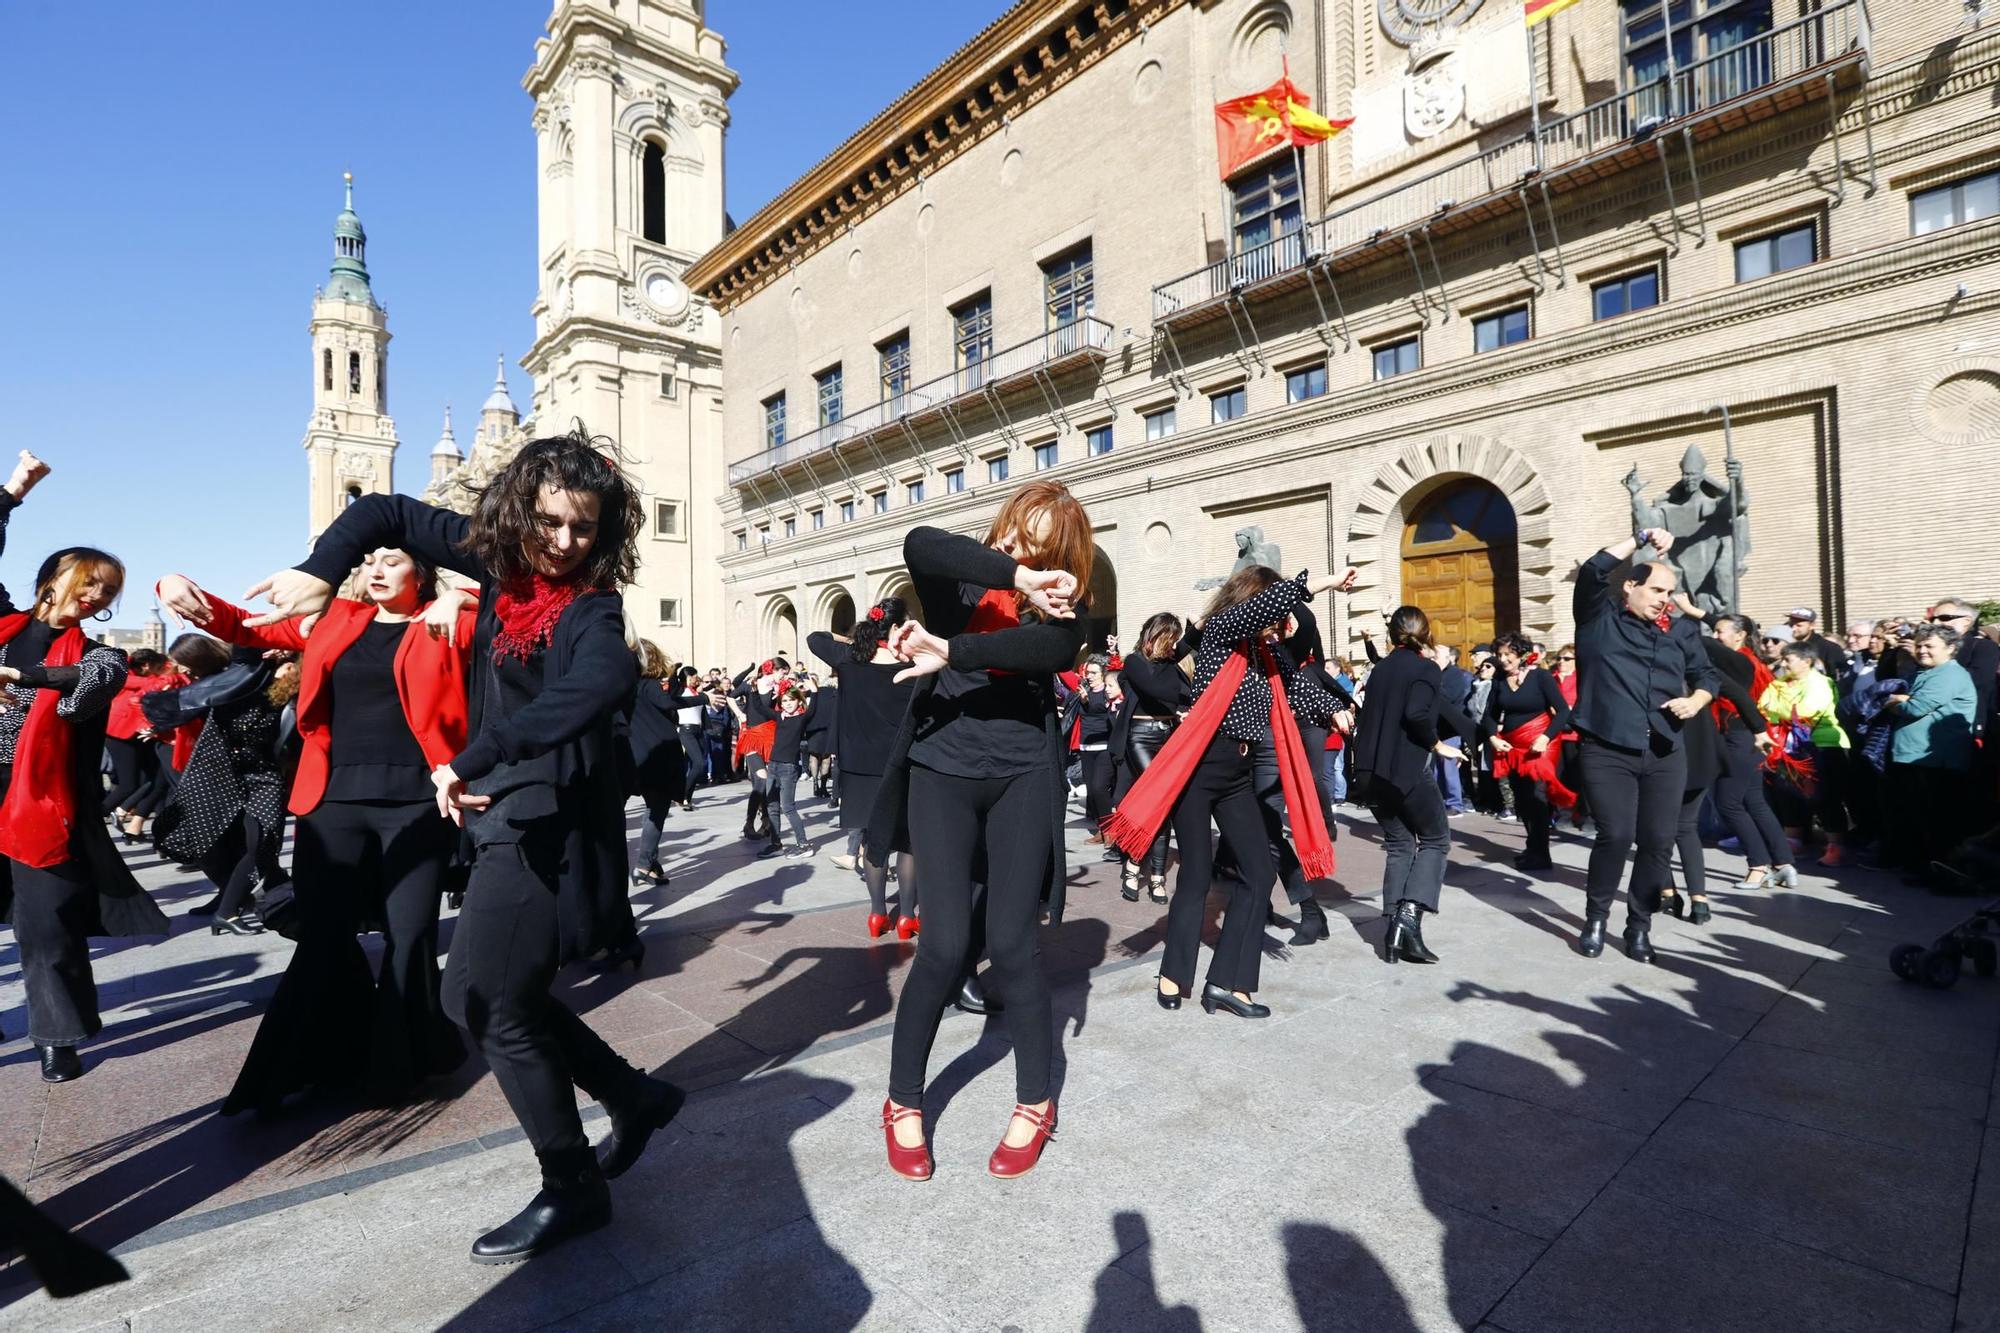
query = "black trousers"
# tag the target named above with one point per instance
(1100, 776)
(695, 747)
(165, 779)
(132, 770)
(330, 1023)
(1271, 797)
(1928, 814)
(951, 819)
(1687, 842)
(1143, 743)
(1531, 803)
(52, 912)
(658, 801)
(504, 956)
(1635, 797)
(1222, 790)
(1416, 839)
(1739, 798)
(237, 863)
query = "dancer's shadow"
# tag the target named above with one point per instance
(1127, 1293)
(1338, 1284)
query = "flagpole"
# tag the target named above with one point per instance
(1534, 92)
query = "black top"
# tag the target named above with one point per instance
(373, 755)
(1831, 655)
(1508, 708)
(1980, 656)
(1735, 675)
(1628, 667)
(1399, 722)
(792, 733)
(985, 714)
(1096, 711)
(757, 706)
(1249, 715)
(1155, 689)
(872, 705)
(658, 763)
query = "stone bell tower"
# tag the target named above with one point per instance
(350, 441)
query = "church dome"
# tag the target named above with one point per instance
(349, 279)
(447, 445)
(500, 400)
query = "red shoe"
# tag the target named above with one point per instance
(909, 1163)
(907, 926)
(878, 925)
(1008, 1163)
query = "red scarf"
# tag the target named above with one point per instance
(1760, 680)
(528, 614)
(35, 820)
(1152, 798)
(1543, 768)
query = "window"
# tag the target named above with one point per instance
(818, 517)
(954, 481)
(354, 374)
(668, 386)
(847, 511)
(1501, 329)
(878, 502)
(1265, 207)
(1159, 424)
(666, 518)
(791, 526)
(326, 369)
(381, 381)
(972, 339)
(1794, 247)
(742, 539)
(830, 394)
(1714, 55)
(1066, 290)
(996, 468)
(764, 536)
(1968, 200)
(1621, 296)
(774, 421)
(913, 492)
(1228, 405)
(670, 610)
(653, 193)
(1399, 358)
(1045, 455)
(1308, 382)
(1097, 441)
(893, 361)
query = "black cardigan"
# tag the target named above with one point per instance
(1399, 722)
(872, 705)
(587, 673)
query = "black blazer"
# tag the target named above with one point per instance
(1399, 723)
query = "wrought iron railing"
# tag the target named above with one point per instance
(1840, 28)
(1065, 340)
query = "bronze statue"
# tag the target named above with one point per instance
(1710, 523)
(1251, 549)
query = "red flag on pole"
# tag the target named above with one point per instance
(1280, 116)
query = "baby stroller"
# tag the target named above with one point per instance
(1975, 939)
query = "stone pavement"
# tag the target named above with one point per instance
(1766, 1131)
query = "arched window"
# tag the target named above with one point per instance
(326, 369)
(653, 193)
(354, 374)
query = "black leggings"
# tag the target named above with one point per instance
(658, 800)
(1739, 796)
(1223, 789)
(1143, 744)
(950, 819)
(695, 747)
(1687, 841)
(1531, 803)
(165, 779)
(132, 768)
(236, 863)
(877, 879)
(1099, 777)
(504, 956)
(52, 911)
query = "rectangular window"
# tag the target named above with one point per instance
(1500, 329)
(1067, 282)
(668, 385)
(1714, 53)
(666, 518)
(1794, 247)
(954, 481)
(892, 360)
(1951, 205)
(913, 493)
(972, 340)
(830, 394)
(1097, 441)
(1265, 207)
(791, 526)
(818, 517)
(1229, 404)
(1045, 455)
(763, 537)
(1621, 296)
(1399, 358)
(996, 468)
(1309, 382)
(1160, 424)
(847, 511)
(774, 421)
(670, 610)
(742, 539)
(878, 502)
(326, 369)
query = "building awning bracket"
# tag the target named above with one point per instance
(1339, 321)
(881, 463)
(1549, 207)
(1694, 178)
(1046, 382)
(1422, 299)
(1534, 239)
(1833, 124)
(1444, 300)
(1673, 205)
(1251, 345)
(1176, 364)
(779, 477)
(992, 397)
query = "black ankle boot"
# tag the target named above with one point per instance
(1591, 942)
(972, 997)
(1638, 943)
(1312, 923)
(651, 1107)
(1405, 940)
(573, 1200)
(60, 1064)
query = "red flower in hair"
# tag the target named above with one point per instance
(1531, 659)
(874, 613)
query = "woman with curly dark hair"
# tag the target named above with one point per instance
(1524, 722)
(550, 541)
(1158, 693)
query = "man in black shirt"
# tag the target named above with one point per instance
(1803, 622)
(1637, 685)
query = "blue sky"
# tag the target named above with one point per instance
(169, 197)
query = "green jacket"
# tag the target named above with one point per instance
(1811, 700)
(1934, 729)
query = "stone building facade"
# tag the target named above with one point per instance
(1433, 347)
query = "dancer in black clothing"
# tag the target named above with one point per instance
(873, 703)
(63, 880)
(550, 541)
(689, 708)
(1639, 684)
(976, 777)
(1739, 788)
(820, 733)
(659, 764)
(797, 706)
(1525, 718)
(1157, 694)
(753, 697)
(1091, 710)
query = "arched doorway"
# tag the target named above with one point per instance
(900, 586)
(1101, 620)
(840, 616)
(1460, 562)
(781, 629)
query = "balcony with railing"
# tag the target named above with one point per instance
(1798, 62)
(1080, 342)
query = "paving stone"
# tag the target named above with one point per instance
(1917, 1112)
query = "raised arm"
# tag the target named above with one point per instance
(933, 553)
(821, 644)
(1035, 648)
(600, 677)
(227, 623)
(86, 688)
(433, 535)
(1233, 624)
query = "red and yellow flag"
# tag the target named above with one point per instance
(1280, 116)
(1537, 10)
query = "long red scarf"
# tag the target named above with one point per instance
(1543, 768)
(528, 614)
(1145, 808)
(1760, 680)
(40, 807)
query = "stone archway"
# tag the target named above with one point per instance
(781, 629)
(1460, 562)
(833, 610)
(1375, 529)
(898, 585)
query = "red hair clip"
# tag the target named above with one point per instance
(874, 613)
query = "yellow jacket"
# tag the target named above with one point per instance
(1809, 699)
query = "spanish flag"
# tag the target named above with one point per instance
(1280, 116)
(1537, 10)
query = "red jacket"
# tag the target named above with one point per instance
(430, 680)
(126, 719)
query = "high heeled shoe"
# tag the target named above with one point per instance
(1785, 877)
(909, 1163)
(1755, 878)
(1404, 941)
(206, 909)
(1011, 1163)
(1698, 913)
(1312, 924)
(1167, 1001)
(907, 927)
(1673, 904)
(1213, 997)
(1158, 890)
(244, 924)
(878, 925)
(634, 1122)
(1128, 887)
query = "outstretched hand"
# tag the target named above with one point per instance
(925, 652)
(292, 592)
(26, 473)
(180, 595)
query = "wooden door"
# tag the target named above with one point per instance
(1456, 590)
(1458, 563)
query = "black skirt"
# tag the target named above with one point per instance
(857, 798)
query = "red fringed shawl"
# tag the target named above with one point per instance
(40, 808)
(528, 614)
(1542, 768)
